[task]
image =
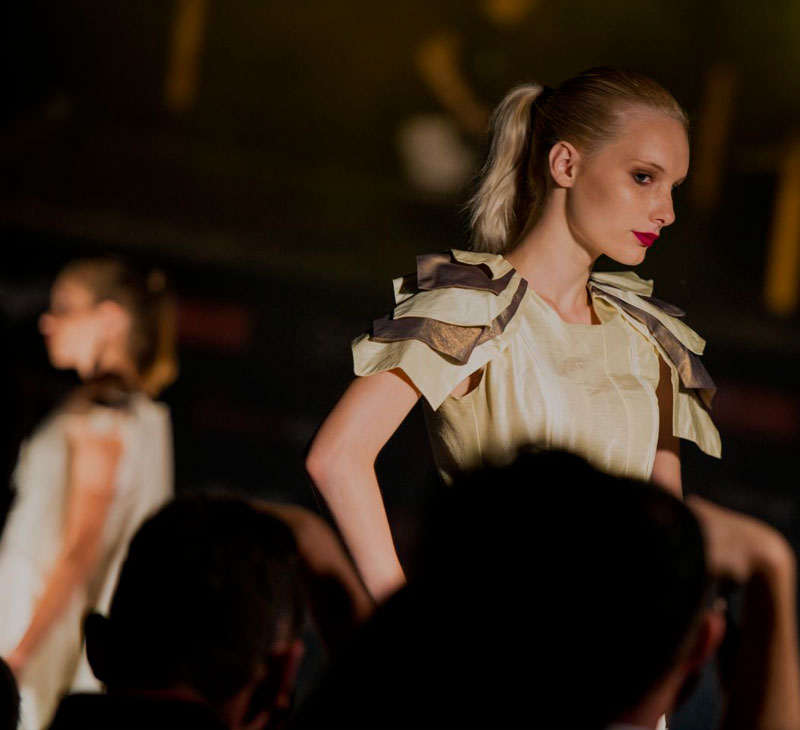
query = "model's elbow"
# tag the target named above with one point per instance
(326, 462)
(81, 557)
(321, 462)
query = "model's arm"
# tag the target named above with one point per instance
(667, 464)
(765, 690)
(341, 464)
(92, 463)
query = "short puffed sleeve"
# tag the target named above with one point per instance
(451, 317)
(679, 346)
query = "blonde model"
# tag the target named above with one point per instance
(517, 340)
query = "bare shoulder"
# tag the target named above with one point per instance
(96, 432)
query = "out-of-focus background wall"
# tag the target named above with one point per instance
(283, 160)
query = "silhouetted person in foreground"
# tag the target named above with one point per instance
(9, 698)
(552, 595)
(203, 628)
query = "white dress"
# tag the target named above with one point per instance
(33, 538)
(587, 389)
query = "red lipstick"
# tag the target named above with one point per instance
(646, 239)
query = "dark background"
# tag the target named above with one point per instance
(277, 200)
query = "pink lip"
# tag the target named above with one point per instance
(646, 239)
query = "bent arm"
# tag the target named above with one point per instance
(341, 465)
(765, 688)
(667, 464)
(768, 651)
(92, 464)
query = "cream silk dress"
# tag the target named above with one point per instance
(588, 389)
(33, 538)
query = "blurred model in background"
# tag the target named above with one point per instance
(98, 465)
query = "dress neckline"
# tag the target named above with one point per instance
(569, 325)
(549, 307)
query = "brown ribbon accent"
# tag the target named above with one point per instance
(691, 370)
(666, 307)
(454, 341)
(442, 270)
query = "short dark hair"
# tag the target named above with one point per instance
(9, 697)
(548, 593)
(209, 584)
(603, 578)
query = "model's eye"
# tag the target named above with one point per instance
(643, 178)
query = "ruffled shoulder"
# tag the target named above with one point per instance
(679, 345)
(452, 315)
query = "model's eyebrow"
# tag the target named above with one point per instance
(651, 164)
(658, 167)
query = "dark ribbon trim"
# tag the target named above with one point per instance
(454, 341)
(442, 270)
(691, 370)
(666, 307)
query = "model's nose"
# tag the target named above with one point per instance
(664, 214)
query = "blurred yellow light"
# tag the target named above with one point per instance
(782, 279)
(180, 83)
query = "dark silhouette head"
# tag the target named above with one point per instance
(597, 581)
(9, 697)
(208, 602)
(541, 582)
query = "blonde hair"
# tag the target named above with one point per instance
(151, 305)
(587, 110)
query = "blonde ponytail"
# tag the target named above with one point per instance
(503, 195)
(163, 370)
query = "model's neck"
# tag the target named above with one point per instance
(112, 361)
(555, 265)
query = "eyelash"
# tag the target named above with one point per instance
(649, 176)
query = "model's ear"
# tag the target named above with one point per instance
(563, 161)
(98, 629)
(271, 688)
(115, 320)
(707, 638)
(285, 662)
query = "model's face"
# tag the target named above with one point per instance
(621, 197)
(72, 328)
